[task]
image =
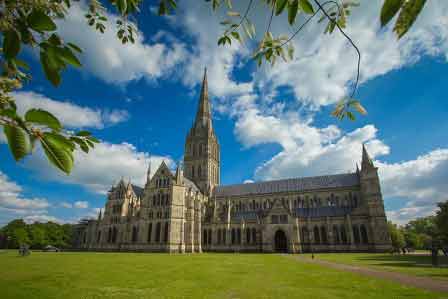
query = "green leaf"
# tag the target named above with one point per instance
(40, 21)
(66, 55)
(306, 6)
(43, 117)
(83, 133)
(236, 35)
(293, 8)
(57, 151)
(18, 141)
(50, 69)
(408, 14)
(280, 6)
(93, 139)
(81, 142)
(75, 47)
(122, 6)
(11, 43)
(389, 10)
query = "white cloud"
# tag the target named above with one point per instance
(14, 205)
(70, 114)
(11, 198)
(81, 204)
(325, 65)
(421, 181)
(198, 21)
(101, 167)
(107, 58)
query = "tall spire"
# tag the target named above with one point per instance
(366, 161)
(203, 116)
(148, 172)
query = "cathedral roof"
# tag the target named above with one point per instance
(137, 190)
(289, 185)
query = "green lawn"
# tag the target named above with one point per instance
(419, 265)
(139, 275)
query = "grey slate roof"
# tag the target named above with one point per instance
(323, 211)
(137, 190)
(289, 185)
(190, 184)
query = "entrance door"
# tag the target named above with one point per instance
(281, 243)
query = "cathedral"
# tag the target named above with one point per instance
(189, 211)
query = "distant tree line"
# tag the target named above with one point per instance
(36, 235)
(421, 233)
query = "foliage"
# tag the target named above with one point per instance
(33, 24)
(441, 220)
(407, 10)
(37, 235)
(396, 235)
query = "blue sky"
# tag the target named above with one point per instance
(271, 122)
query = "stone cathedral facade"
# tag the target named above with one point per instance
(189, 211)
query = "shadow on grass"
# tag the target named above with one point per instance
(407, 261)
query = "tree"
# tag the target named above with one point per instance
(441, 220)
(32, 24)
(37, 235)
(396, 235)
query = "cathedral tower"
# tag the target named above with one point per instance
(201, 159)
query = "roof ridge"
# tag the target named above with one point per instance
(287, 179)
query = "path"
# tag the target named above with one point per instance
(409, 280)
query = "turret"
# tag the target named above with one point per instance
(179, 175)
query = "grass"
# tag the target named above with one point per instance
(419, 265)
(140, 275)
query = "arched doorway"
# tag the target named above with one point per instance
(280, 241)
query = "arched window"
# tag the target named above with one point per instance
(224, 236)
(158, 229)
(114, 234)
(238, 236)
(199, 171)
(210, 237)
(233, 236)
(364, 236)
(149, 232)
(336, 235)
(343, 235)
(194, 149)
(316, 235)
(154, 200)
(323, 235)
(254, 236)
(200, 149)
(305, 235)
(134, 234)
(109, 235)
(98, 237)
(192, 171)
(166, 231)
(204, 237)
(355, 229)
(218, 236)
(248, 235)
